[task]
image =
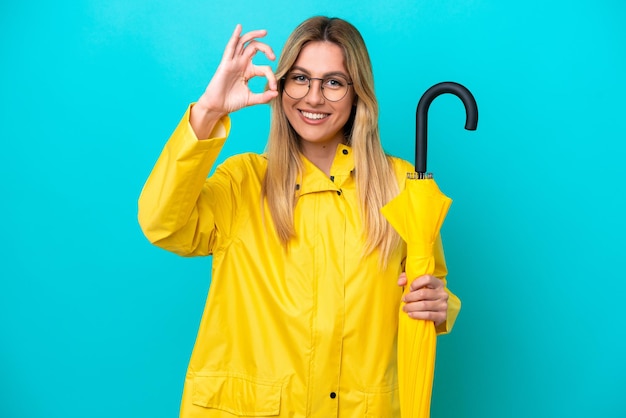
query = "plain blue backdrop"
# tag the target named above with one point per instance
(95, 322)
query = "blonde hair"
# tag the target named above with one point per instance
(375, 180)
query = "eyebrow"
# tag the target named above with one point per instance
(332, 73)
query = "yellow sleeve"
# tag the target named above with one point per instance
(454, 303)
(172, 199)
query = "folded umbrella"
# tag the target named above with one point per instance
(417, 339)
(417, 214)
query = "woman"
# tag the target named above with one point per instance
(301, 317)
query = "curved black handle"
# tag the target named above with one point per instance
(421, 117)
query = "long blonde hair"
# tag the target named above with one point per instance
(375, 180)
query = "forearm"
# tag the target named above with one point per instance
(168, 205)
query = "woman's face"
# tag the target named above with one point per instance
(317, 120)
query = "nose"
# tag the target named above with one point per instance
(315, 95)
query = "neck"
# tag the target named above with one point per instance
(321, 155)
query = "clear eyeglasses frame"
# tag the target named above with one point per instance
(334, 88)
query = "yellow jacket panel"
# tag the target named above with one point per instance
(310, 331)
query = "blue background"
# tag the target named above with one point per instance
(95, 322)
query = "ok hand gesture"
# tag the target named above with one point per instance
(228, 90)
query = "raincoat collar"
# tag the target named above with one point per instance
(341, 173)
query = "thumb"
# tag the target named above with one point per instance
(263, 98)
(402, 281)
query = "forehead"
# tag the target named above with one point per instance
(320, 58)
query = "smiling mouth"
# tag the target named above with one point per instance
(314, 116)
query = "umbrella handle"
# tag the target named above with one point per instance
(421, 117)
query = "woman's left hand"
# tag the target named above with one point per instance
(427, 298)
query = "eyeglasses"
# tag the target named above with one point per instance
(334, 88)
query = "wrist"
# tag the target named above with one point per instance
(204, 112)
(203, 120)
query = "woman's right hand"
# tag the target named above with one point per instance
(228, 90)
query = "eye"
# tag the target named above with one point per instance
(299, 79)
(334, 83)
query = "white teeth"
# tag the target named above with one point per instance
(315, 116)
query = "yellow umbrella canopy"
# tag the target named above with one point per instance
(417, 214)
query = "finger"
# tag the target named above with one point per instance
(426, 280)
(247, 37)
(263, 71)
(438, 307)
(231, 46)
(266, 71)
(262, 98)
(255, 46)
(435, 317)
(422, 306)
(425, 294)
(402, 280)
